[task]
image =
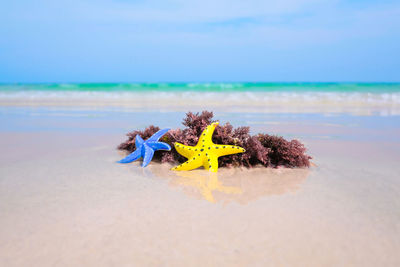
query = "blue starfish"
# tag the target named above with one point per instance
(145, 149)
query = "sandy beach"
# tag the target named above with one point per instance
(281, 121)
(66, 202)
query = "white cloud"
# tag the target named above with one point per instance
(286, 23)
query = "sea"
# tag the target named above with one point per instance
(376, 88)
(305, 97)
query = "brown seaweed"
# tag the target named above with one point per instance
(261, 149)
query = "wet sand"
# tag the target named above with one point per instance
(65, 202)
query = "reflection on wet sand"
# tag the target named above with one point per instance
(205, 183)
(233, 185)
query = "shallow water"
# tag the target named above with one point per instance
(64, 201)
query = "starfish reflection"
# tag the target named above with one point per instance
(206, 183)
(238, 185)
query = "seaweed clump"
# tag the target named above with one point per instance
(261, 149)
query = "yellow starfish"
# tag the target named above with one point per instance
(205, 153)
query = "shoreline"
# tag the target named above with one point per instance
(385, 104)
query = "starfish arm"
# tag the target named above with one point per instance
(159, 146)
(158, 135)
(186, 151)
(138, 141)
(206, 135)
(223, 150)
(148, 155)
(211, 164)
(131, 157)
(190, 164)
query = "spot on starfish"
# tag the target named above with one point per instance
(205, 153)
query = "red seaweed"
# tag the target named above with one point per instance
(261, 149)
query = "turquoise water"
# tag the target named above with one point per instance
(208, 87)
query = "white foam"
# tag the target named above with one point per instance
(354, 102)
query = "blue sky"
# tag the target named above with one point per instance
(199, 41)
